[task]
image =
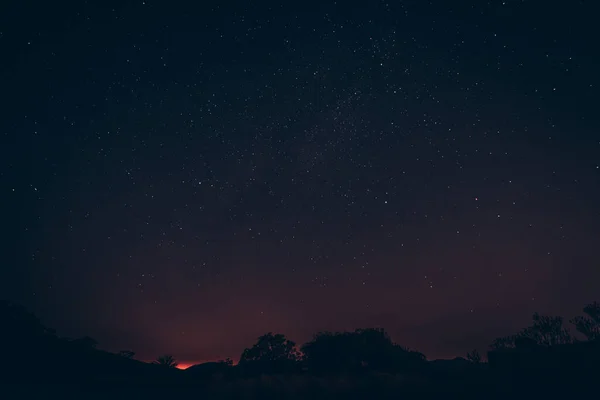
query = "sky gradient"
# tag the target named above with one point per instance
(184, 179)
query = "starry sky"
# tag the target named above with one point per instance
(184, 178)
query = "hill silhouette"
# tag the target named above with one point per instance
(541, 360)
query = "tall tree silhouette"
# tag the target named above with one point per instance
(167, 361)
(271, 353)
(589, 325)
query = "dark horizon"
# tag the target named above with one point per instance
(183, 180)
(542, 332)
(466, 343)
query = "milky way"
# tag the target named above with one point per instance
(182, 180)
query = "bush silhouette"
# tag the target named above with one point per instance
(589, 325)
(474, 357)
(167, 361)
(126, 353)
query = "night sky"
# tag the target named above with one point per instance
(184, 178)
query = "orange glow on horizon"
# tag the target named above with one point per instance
(186, 364)
(181, 364)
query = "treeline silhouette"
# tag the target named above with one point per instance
(540, 360)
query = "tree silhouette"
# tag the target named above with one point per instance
(126, 353)
(374, 349)
(167, 361)
(330, 352)
(271, 353)
(589, 325)
(363, 349)
(545, 331)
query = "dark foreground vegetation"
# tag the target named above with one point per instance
(541, 361)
